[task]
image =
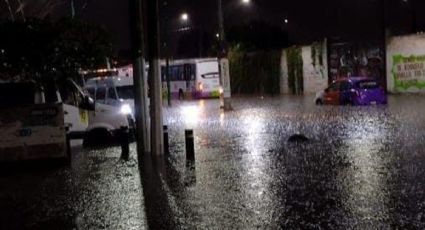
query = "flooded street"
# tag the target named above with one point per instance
(363, 168)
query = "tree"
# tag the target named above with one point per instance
(41, 50)
(257, 35)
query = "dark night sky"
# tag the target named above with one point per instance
(308, 19)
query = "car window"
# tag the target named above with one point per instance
(345, 85)
(368, 84)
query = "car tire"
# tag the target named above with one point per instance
(319, 102)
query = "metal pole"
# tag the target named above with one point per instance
(167, 75)
(155, 75)
(223, 62)
(384, 43)
(140, 79)
(72, 9)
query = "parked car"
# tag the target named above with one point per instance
(352, 91)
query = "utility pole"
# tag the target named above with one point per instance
(384, 43)
(223, 62)
(140, 78)
(166, 49)
(72, 9)
(155, 78)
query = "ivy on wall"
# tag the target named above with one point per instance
(255, 72)
(317, 54)
(295, 70)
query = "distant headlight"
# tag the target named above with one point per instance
(126, 109)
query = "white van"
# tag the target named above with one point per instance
(36, 121)
(114, 105)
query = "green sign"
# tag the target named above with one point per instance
(408, 72)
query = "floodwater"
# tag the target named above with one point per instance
(363, 168)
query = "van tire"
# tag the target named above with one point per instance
(97, 137)
(181, 94)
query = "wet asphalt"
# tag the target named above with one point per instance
(363, 168)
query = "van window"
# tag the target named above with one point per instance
(91, 92)
(71, 94)
(125, 92)
(111, 94)
(100, 94)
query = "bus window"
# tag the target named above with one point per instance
(189, 72)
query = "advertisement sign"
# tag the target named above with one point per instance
(408, 72)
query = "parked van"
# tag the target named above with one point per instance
(37, 120)
(115, 106)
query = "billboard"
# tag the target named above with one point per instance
(408, 72)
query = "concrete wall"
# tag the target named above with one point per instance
(284, 87)
(315, 76)
(406, 64)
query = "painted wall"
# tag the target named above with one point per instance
(315, 75)
(406, 64)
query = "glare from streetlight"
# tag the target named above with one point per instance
(185, 17)
(286, 21)
(217, 35)
(246, 1)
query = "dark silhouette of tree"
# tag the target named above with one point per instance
(39, 49)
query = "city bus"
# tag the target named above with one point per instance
(193, 78)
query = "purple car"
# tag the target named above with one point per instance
(353, 91)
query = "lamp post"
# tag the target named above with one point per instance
(225, 94)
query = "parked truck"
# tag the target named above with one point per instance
(38, 120)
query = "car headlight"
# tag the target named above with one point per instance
(126, 109)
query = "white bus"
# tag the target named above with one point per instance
(195, 78)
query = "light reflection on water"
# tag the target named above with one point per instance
(248, 175)
(365, 184)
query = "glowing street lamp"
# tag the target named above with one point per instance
(185, 17)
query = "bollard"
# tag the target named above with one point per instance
(190, 145)
(124, 141)
(166, 142)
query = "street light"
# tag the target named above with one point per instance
(246, 1)
(286, 21)
(185, 17)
